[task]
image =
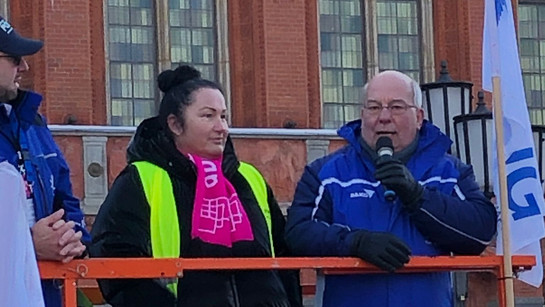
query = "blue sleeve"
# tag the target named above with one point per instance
(309, 229)
(462, 223)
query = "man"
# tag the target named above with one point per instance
(341, 207)
(52, 212)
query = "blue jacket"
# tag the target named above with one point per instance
(338, 194)
(52, 189)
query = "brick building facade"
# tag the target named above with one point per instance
(268, 59)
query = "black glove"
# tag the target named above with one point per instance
(395, 176)
(382, 249)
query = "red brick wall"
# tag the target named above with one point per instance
(98, 68)
(281, 162)
(26, 19)
(458, 28)
(62, 70)
(117, 156)
(247, 58)
(274, 58)
(72, 149)
(68, 87)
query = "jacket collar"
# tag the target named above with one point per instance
(432, 146)
(25, 106)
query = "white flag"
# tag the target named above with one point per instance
(525, 194)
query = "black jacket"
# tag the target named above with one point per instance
(122, 229)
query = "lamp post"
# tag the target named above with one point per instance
(473, 141)
(538, 132)
(445, 99)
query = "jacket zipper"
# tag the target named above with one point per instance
(42, 191)
(234, 289)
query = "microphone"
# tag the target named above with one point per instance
(385, 148)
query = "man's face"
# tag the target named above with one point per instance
(10, 76)
(394, 90)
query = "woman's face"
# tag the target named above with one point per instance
(205, 130)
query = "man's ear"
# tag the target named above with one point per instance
(174, 125)
(419, 117)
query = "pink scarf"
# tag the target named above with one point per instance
(218, 216)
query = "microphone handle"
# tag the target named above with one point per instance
(389, 195)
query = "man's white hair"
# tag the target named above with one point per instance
(417, 92)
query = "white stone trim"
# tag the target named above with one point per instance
(222, 60)
(263, 133)
(95, 183)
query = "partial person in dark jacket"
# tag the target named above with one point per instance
(341, 205)
(52, 212)
(185, 194)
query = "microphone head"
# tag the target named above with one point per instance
(384, 146)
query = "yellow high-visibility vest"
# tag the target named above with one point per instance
(164, 226)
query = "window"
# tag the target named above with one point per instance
(192, 35)
(142, 42)
(132, 60)
(531, 17)
(398, 37)
(359, 38)
(341, 41)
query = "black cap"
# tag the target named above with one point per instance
(14, 44)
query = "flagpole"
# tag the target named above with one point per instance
(507, 278)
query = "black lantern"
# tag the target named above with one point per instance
(445, 99)
(473, 141)
(538, 132)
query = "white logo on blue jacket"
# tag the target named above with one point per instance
(364, 194)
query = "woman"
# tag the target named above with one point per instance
(185, 194)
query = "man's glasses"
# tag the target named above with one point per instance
(16, 59)
(395, 108)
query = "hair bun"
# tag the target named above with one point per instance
(171, 78)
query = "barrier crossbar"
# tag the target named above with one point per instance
(111, 268)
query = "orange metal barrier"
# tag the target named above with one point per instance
(165, 268)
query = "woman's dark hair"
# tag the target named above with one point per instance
(179, 85)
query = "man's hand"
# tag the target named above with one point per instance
(395, 176)
(382, 249)
(55, 239)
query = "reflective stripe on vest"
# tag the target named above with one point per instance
(259, 188)
(164, 227)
